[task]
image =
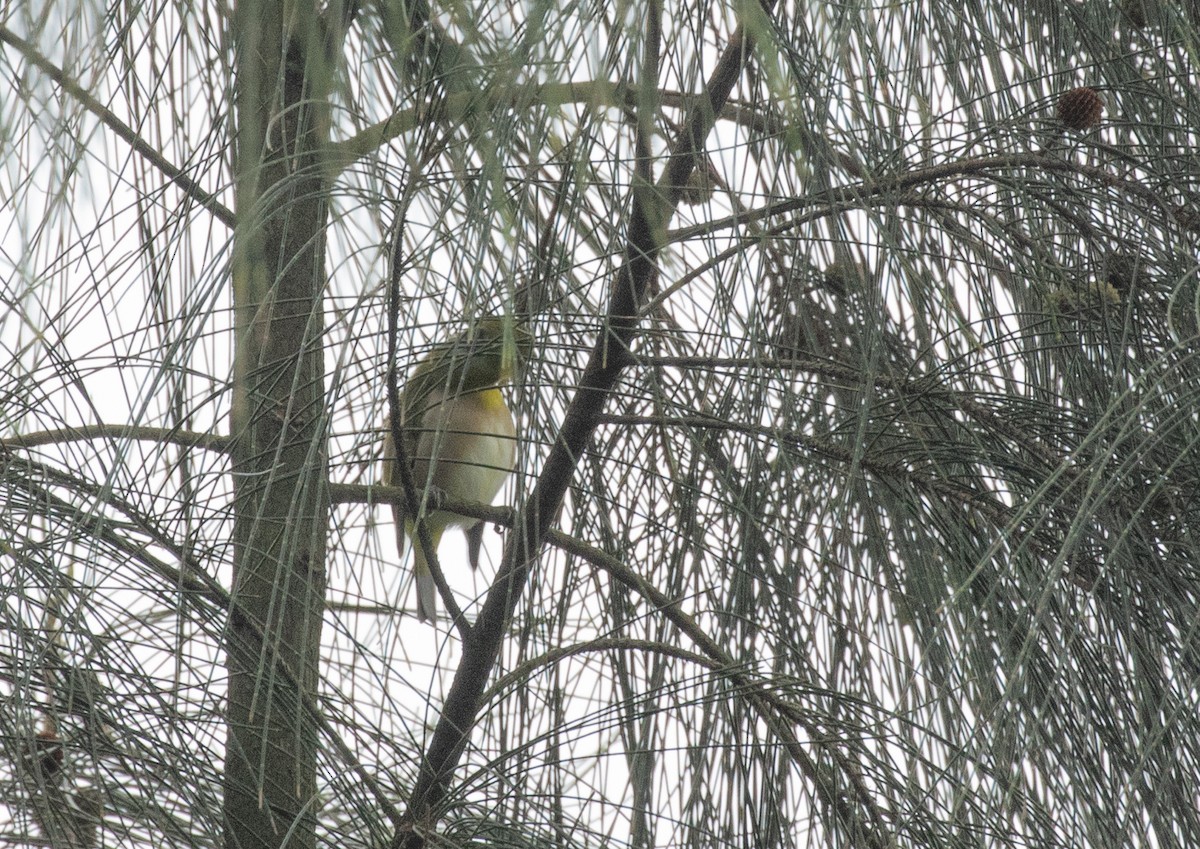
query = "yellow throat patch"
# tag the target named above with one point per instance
(493, 401)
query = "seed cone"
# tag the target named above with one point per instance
(1080, 108)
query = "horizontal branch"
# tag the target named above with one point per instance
(162, 435)
(877, 187)
(550, 95)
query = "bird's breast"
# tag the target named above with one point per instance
(466, 446)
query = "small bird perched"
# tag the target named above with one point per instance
(458, 435)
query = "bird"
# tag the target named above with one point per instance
(459, 436)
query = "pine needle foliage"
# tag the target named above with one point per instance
(859, 482)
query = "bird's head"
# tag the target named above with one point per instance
(499, 345)
(487, 354)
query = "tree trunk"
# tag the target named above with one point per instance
(278, 426)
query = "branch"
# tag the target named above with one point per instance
(401, 462)
(163, 435)
(109, 118)
(762, 696)
(608, 359)
(548, 95)
(981, 166)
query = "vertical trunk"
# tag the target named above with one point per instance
(278, 425)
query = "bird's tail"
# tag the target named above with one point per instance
(426, 588)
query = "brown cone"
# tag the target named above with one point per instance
(1080, 108)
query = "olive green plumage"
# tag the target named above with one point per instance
(458, 433)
